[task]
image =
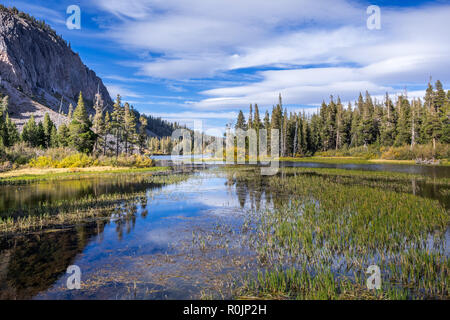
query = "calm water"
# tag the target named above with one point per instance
(429, 171)
(176, 243)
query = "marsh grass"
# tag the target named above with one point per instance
(317, 242)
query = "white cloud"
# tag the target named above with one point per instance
(188, 115)
(324, 45)
(124, 92)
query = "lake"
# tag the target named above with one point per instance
(184, 240)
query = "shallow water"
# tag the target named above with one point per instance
(142, 255)
(178, 242)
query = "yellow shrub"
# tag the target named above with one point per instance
(78, 160)
(42, 162)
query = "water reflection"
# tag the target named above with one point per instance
(23, 196)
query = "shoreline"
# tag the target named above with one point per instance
(30, 174)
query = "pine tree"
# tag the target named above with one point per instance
(403, 134)
(70, 114)
(54, 140)
(445, 120)
(267, 120)
(63, 135)
(48, 128)
(30, 132)
(388, 122)
(340, 125)
(41, 136)
(81, 136)
(142, 133)
(433, 102)
(241, 123)
(98, 126)
(257, 120)
(117, 122)
(129, 131)
(8, 130)
(107, 130)
(367, 123)
(355, 128)
(250, 118)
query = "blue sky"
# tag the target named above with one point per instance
(206, 59)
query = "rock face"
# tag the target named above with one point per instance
(37, 64)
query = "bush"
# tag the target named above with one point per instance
(21, 153)
(135, 161)
(79, 160)
(369, 152)
(42, 162)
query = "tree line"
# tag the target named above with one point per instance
(366, 122)
(121, 131)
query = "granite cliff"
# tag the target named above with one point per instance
(38, 70)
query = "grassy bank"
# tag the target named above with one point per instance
(29, 175)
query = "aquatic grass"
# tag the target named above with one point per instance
(337, 228)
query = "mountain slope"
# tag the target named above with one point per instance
(38, 69)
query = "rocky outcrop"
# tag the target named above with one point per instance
(37, 67)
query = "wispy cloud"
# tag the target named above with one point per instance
(220, 57)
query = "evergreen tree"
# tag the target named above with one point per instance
(54, 139)
(241, 123)
(81, 136)
(388, 122)
(403, 134)
(41, 136)
(142, 134)
(98, 126)
(63, 135)
(30, 132)
(70, 114)
(48, 128)
(129, 128)
(107, 130)
(250, 118)
(117, 122)
(340, 125)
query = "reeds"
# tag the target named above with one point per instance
(318, 241)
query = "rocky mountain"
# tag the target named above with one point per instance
(39, 70)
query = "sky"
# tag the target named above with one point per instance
(207, 59)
